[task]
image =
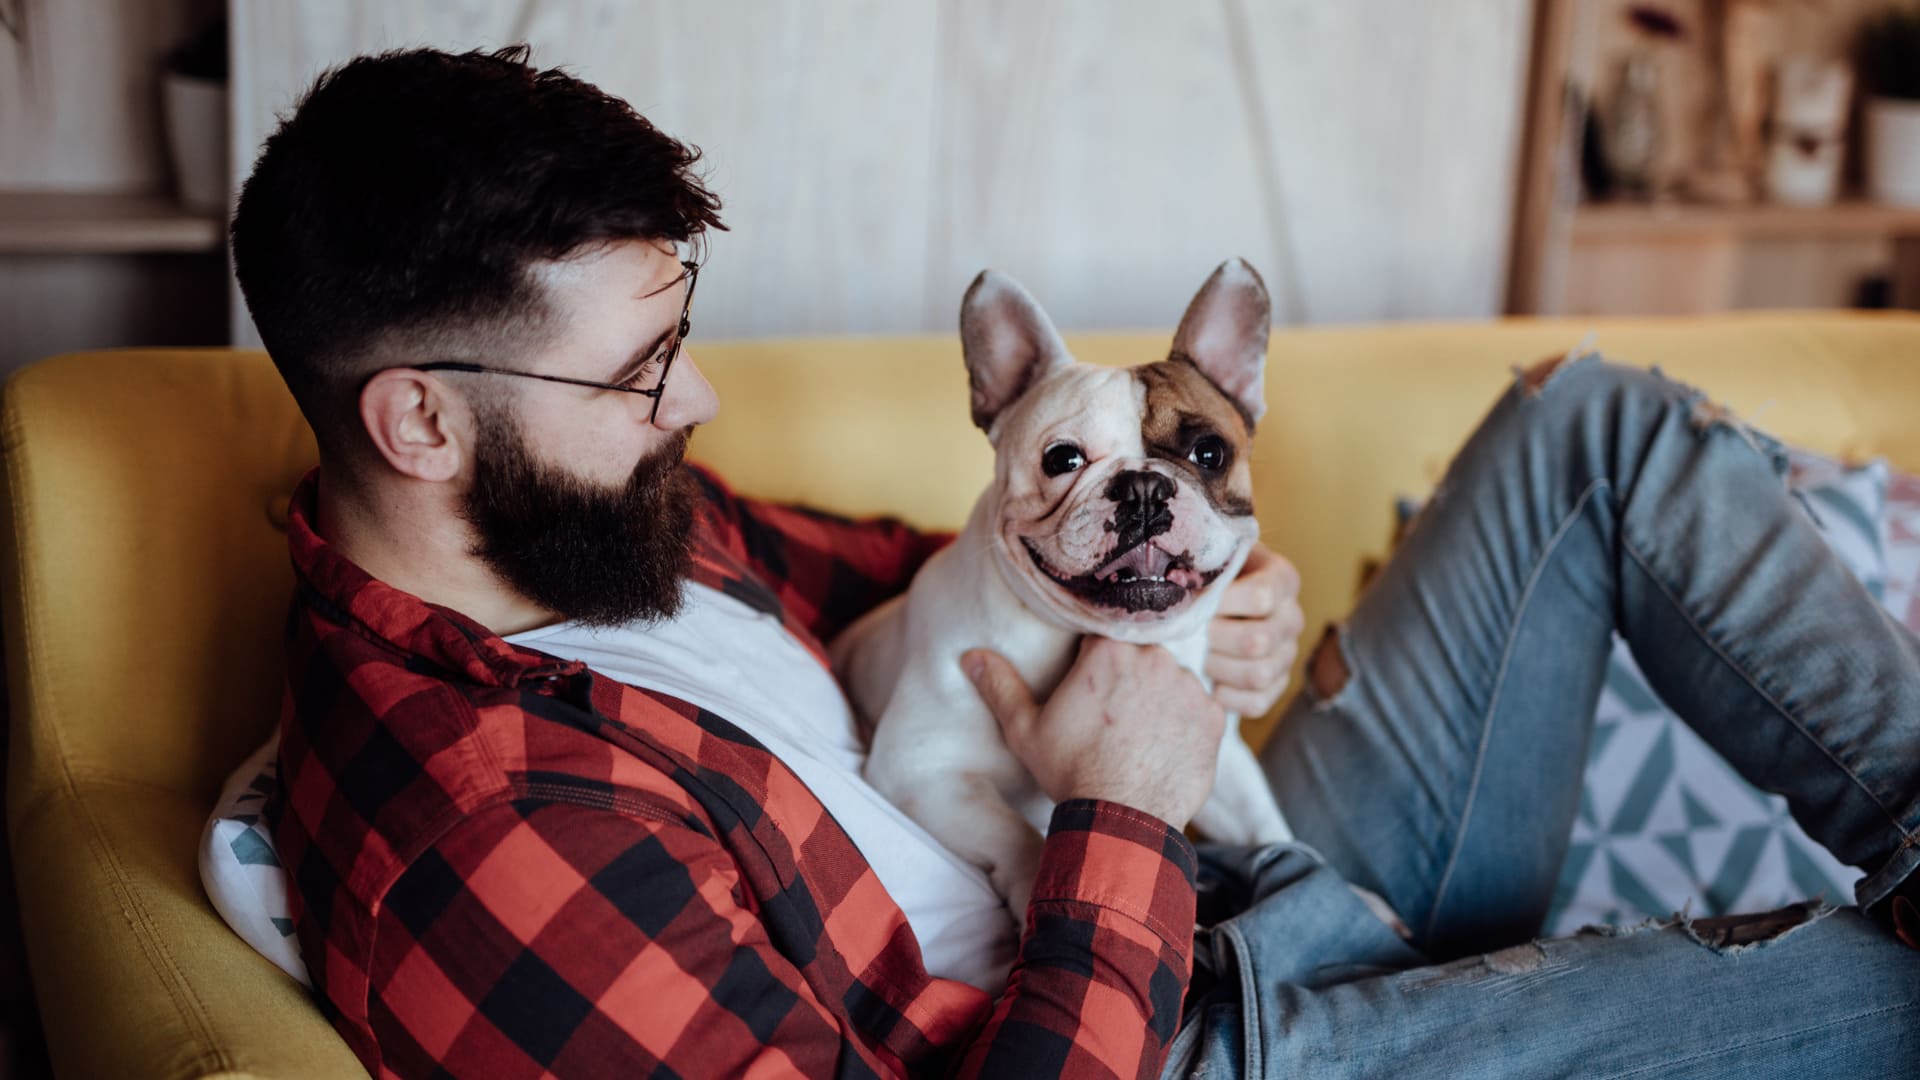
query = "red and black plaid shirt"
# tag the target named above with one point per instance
(506, 865)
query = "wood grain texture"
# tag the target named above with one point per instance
(1848, 218)
(1400, 126)
(874, 156)
(1678, 275)
(1705, 273)
(1548, 146)
(1906, 272)
(54, 223)
(1087, 150)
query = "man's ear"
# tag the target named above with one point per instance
(411, 419)
(1008, 343)
(1224, 333)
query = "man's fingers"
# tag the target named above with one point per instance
(1006, 694)
(1251, 639)
(1265, 582)
(1241, 640)
(1267, 675)
(1245, 703)
(1248, 600)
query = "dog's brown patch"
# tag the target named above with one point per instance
(1183, 407)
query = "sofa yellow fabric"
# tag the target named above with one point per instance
(145, 582)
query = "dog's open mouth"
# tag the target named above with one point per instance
(1142, 578)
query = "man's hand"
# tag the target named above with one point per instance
(1255, 635)
(1128, 724)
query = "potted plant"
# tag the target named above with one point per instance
(1888, 53)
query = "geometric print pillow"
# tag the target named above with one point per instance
(1665, 824)
(1902, 536)
(238, 867)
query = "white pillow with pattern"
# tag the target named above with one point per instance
(239, 868)
(1665, 824)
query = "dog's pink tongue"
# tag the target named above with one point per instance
(1145, 560)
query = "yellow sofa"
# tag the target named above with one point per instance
(145, 581)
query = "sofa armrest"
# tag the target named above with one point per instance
(136, 973)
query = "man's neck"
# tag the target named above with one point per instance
(409, 538)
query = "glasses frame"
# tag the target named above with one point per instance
(656, 392)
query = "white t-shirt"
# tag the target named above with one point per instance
(742, 665)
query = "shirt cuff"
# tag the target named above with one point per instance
(1124, 860)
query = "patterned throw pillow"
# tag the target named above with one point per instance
(238, 866)
(1665, 824)
(1902, 536)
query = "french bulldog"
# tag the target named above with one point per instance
(1121, 505)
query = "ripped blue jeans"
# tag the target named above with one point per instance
(1438, 763)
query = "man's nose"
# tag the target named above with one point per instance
(688, 399)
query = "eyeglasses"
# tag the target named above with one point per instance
(656, 391)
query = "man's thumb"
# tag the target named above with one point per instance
(999, 684)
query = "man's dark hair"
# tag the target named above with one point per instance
(393, 217)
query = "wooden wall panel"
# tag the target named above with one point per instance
(814, 123)
(874, 156)
(1398, 128)
(1097, 152)
(813, 120)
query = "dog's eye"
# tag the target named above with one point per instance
(1062, 458)
(1209, 452)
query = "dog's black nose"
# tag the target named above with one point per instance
(1139, 486)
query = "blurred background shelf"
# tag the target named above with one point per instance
(1572, 255)
(1651, 221)
(63, 223)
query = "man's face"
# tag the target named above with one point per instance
(578, 500)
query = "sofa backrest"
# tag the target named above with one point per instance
(147, 582)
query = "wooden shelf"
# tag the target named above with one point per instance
(1615, 222)
(59, 223)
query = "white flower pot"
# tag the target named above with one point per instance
(1893, 151)
(196, 117)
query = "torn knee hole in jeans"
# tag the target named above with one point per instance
(1516, 969)
(1532, 380)
(1730, 935)
(1327, 671)
(1709, 415)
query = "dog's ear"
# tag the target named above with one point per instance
(1008, 342)
(1224, 333)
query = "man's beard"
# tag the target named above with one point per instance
(594, 555)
